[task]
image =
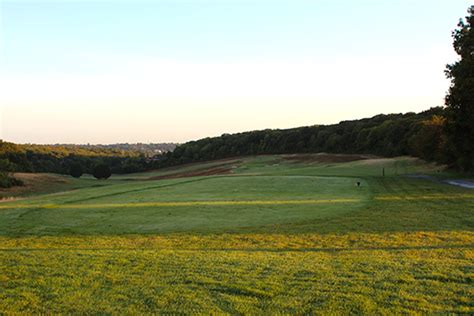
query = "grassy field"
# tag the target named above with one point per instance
(268, 234)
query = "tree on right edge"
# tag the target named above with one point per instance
(460, 98)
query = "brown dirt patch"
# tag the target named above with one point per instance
(326, 158)
(218, 162)
(195, 173)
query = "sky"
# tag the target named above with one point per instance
(171, 71)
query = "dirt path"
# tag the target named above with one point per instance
(465, 183)
(469, 184)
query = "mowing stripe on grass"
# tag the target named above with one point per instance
(244, 202)
(187, 203)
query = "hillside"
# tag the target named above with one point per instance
(419, 135)
(391, 135)
(276, 234)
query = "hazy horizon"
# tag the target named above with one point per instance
(164, 142)
(104, 72)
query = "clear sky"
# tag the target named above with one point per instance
(171, 71)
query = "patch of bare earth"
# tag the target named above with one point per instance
(207, 172)
(325, 158)
(225, 167)
(215, 163)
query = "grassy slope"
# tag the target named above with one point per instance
(44, 183)
(385, 255)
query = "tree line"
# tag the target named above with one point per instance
(60, 159)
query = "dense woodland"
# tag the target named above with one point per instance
(60, 158)
(149, 150)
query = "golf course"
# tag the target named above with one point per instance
(270, 234)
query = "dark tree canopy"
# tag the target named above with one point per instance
(102, 171)
(460, 98)
(60, 158)
(76, 170)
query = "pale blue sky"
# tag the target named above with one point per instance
(180, 70)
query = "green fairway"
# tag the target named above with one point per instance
(283, 234)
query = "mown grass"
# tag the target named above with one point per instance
(139, 275)
(203, 245)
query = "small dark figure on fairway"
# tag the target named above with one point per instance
(358, 183)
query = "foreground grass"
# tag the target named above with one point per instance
(251, 274)
(268, 238)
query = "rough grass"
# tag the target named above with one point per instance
(208, 245)
(44, 183)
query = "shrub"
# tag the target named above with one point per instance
(7, 181)
(76, 170)
(102, 171)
